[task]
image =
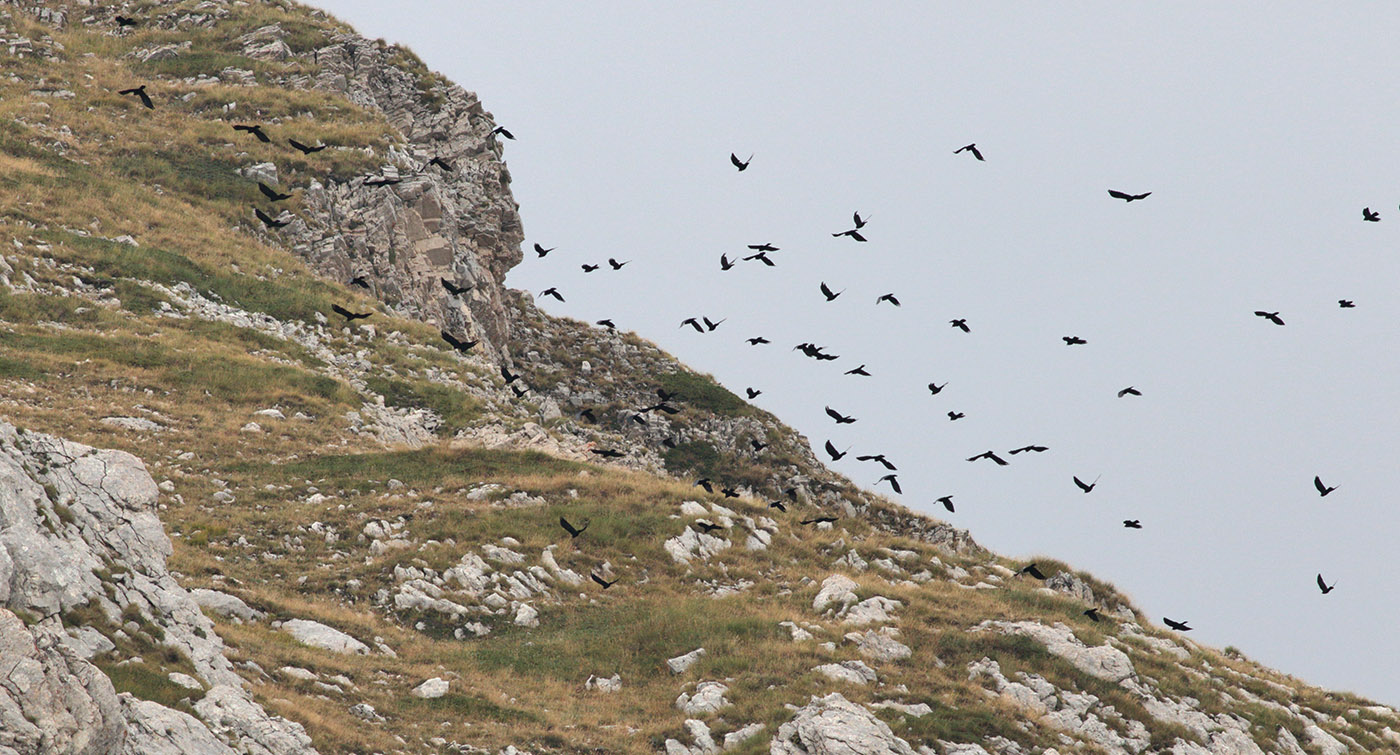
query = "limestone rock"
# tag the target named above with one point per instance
(838, 591)
(854, 672)
(224, 605)
(693, 544)
(708, 698)
(880, 646)
(430, 689)
(604, 684)
(318, 635)
(1104, 662)
(833, 725)
(680, 663)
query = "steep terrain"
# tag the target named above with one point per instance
(318, 535)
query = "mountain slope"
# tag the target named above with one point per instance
(386, 510)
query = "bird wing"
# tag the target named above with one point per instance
(1081, 484)
(1118, 194)
(832, 413)
(733, 158)
(1317, 482)
(1000, 461)
(830, 449)
(1321, 585)
(977, 153)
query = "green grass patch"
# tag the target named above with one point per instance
(147, 684)
(467, 708)
(456, 408)
(702, 392)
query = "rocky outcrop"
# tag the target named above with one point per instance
(833, 725)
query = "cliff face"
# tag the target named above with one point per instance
(357, 542)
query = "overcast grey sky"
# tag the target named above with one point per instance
(1262, 131)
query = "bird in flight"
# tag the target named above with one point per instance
(588, 415)
(572, 530)
(1179, 626)
(606, 584)
(692, 322)
(1086, 487)
(1133, 524)
(953, 416)
(761, 257)
(541, 251)
(124, 21)
(819, 520)
(704, 482)
(893, 481)
(724, 263)
(935, 389)
(255, 130)
(453, 288)
(588, 268)
(360, 281)
(1346, 303)
(889, 298)
(607, 323)
(840, 418)
(1324, 587)
(521, 392)
(606, 453)
(947, 502)
(268, 220)
(710, 326)
(853, 233)
(272, 194)
(758, 445)
(457, 343)
(1270, 316)
(1023, 449)
(441, 163)
(1128, 197)
(777, 505)
(503, 132)
(990, 455)
(977, 153)
(763, 247)
(858, 220)
(742, 165)
(834, 454)
(508, 376)
(1323, 490)
(1129, 391)
(858, 371)
(347, 314)
(961, 325)
(753, 393)
(614, 264)
(757, 340)
(1032, 570)
(878, 458)
(552, 291)
(141, 93)
(1369, 216)
(1073, 340)
(1093, 614)
(304, 149)
(828, 294)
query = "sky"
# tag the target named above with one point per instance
(1261, 133)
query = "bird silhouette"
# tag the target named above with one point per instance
(1129, 391)
(893, 481)
(828, 294)
(1023, 449)
(1073, 340)
(669, 442)
(541, 251)
(707, 527)
(990, 455)
(360, 281)
(763, 247)
(639, 419)
(777, 505)
(704, 482)
(1032, 570)
(348, 315)
(272, 194)
(552, 291)
(666, 395)
(1086, 487)
(614, 264)
(961, 325)
(457, 343)
(255, 130)
(305, 149)
(858, 371)
(710, 326)
(819, 520)
(947, 502)
(268, 220)
(607, 323)
(757, 445)
(753, 393)
(588, 415)
(606, 453)
(853, 233)
(757, 340)
(935, 389)
(887, 297)
(977, 153)
(880, 459)
(441, 163)
(141, 93)
(606, 584)
(1270, 316)
(729, 492)
(1093, 614)
(501, 130)
(1128, 197)
(840, 418)
(522, 392)
(508, 376)
(455, 289)
(1324, 587)
(761, 257)
(1179, 626)
(858, 220)
(742, 165)
(1133, 524)
(1346, 303)
(1369, 216)
(572, 530)
(1323, 490)
(724, 263)
(835, 455)
(588, 268)
(123, 21)
(954, 416)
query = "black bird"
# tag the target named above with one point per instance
(835, 455)
(757, 445)
(304, 149)
(818, 520)
(707, 527)
(889, 298)
(1086, 487)
(1324, 587)
(1346, 303)
(124, 21)
(893, 481)
(606, 453)
(1093, 614)
(859, 221)
(552, 291)
(255, 130)
(1073, 340)
(704, 482)
(710, 326)
(588, 268)
(729, 492)
(858, 371)
(662, 407)
(1372, 217)
(614, 264)
(973, 149)
(508, 376)
(886, 463)
(572, 530)
(828, 294)
(609, 324)
(588, 415)
(381, 181)
(520, 393)
(952, 416)
(669, 442)
(791, 493)
(947, 502)
(1032, 570)
(457, 343)
(140, 92)
(1128, 197)
(936, 389)
(840, 418)
(777, 505)
(1129, 391)
(1179, 626)
(763, 247)
(268, 220)
(753, 393)
(1133, 524)
(503, 132)
(990, 455)
(441, 163)
(360, 281)
(853, 233)
(639, 419)
(272, 194)
(961, 324)
(1321, 489)
(1270, 316)
(541, 251)
(724, 263)
(741, 165)
(758, 340)
(606, 584)
(1023, 449)
(347, 314)
(665, 395)
(454, 289)
(761, 257)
